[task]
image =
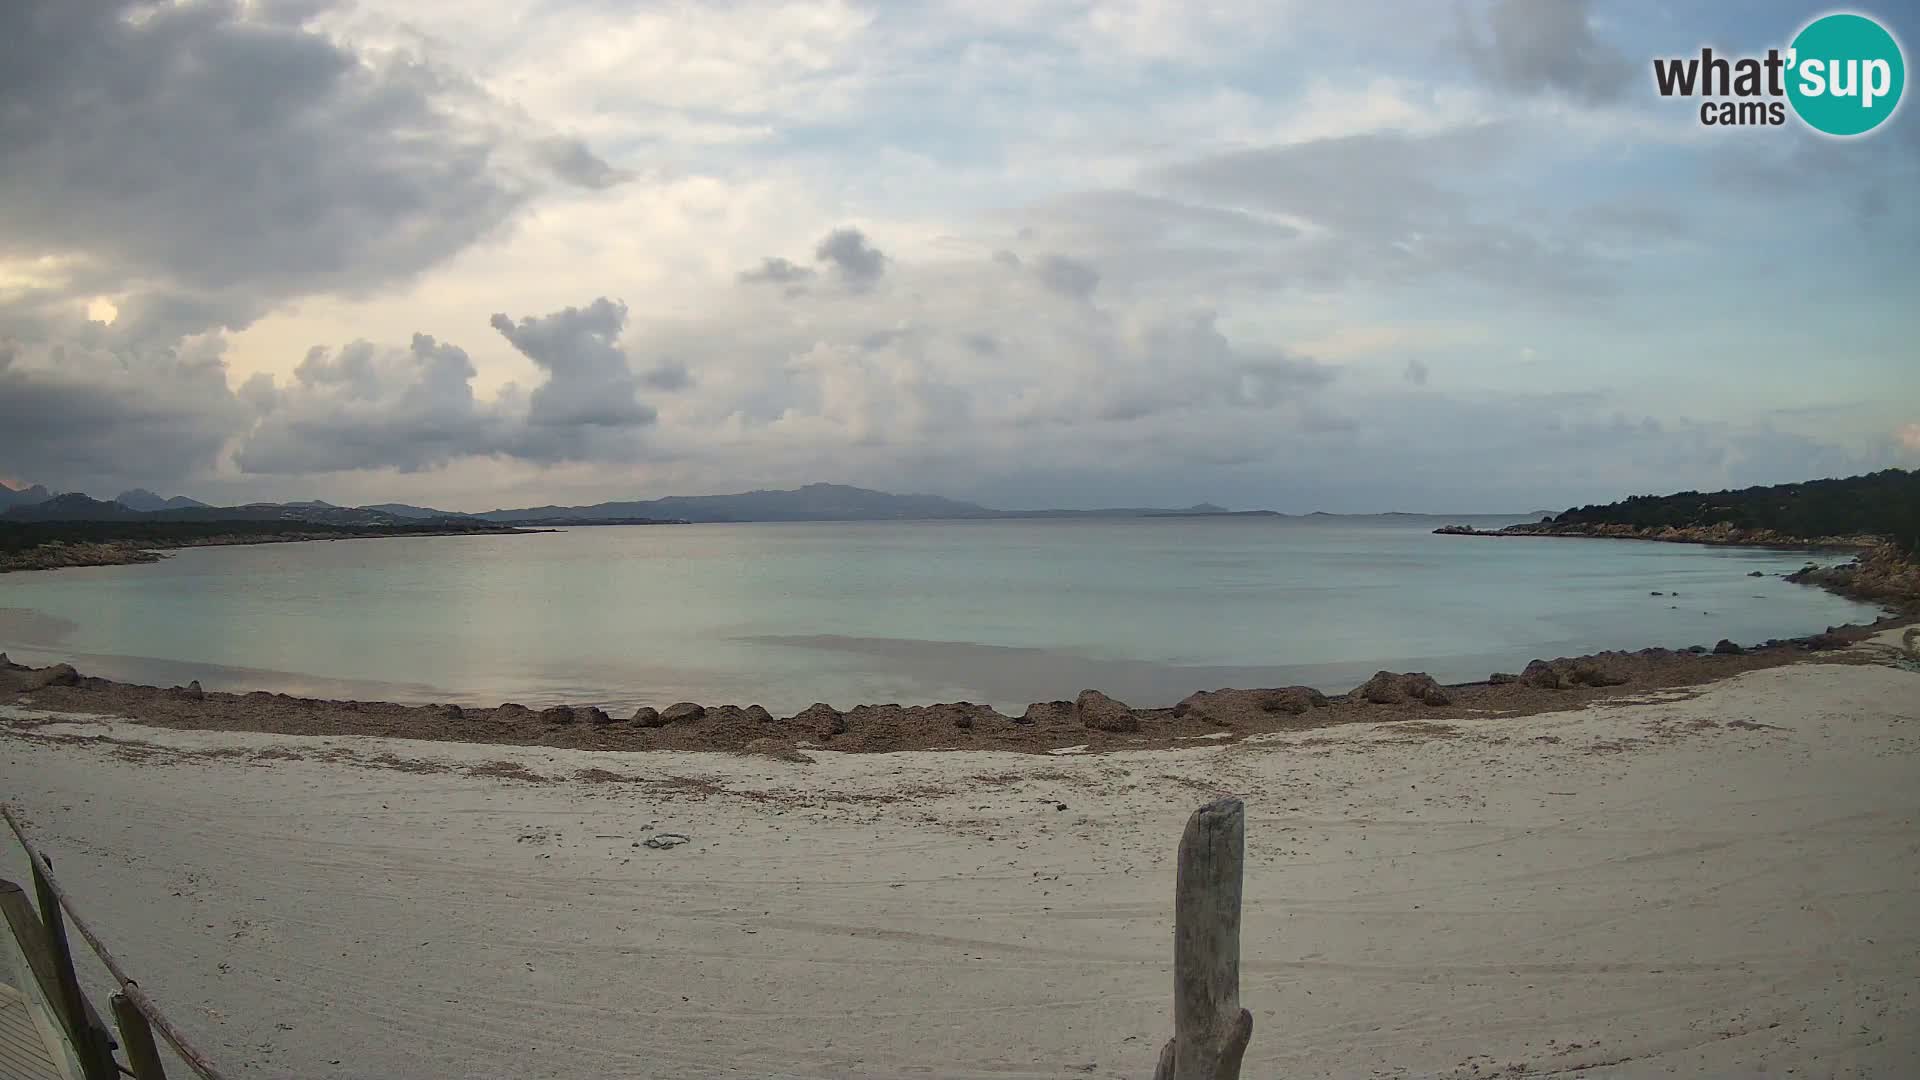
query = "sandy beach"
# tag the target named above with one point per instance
(1710, 880)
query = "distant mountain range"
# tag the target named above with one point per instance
(814, 502)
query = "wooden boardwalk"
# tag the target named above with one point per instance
(29, 1046)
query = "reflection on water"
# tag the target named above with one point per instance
(1003, 612)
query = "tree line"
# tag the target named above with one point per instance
(1885, 503)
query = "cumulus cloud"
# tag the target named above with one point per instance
(776, 271)
(848, 254)
(1535, 47)
(589, 405)
(367, 407)
(571, 160)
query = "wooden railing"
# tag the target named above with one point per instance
(42, 936)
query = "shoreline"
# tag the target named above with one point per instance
(69, 554)
(1091, 723)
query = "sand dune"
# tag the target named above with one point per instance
(1718, 881)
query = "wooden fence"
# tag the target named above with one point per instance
(42, 936)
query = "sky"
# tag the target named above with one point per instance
(1281, 254)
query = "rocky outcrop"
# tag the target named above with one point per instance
(190, 692)
(1719, 534)
(558, 714)
(758, 714)
(1394, 688)
(57, 675)
(1543, 676)
(647, 716)
(1882, 576)
(1099, 712)
(1724, 647)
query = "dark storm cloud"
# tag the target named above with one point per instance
(87, 418)
(848, 254)
(1532, 46)
(212, 159)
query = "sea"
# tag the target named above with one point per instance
(1001, 612)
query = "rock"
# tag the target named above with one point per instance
(1102, 713)
(1543, 676)
(592, 714)
(1382, 689)
(559, 714)
(1828, 640)
(1727, 648)
(682, 712)
(824, 719)
(1390, 688)
(778, 749)
(648, 716)
(191, 692)
(1046, 712)
(963, 722)
(450, 711)
(755, 712)
(7, 663)
(57, 675)
(1755, 573)
(1656, 592)
(512, 710)
(1502, 678)
(1696, 649)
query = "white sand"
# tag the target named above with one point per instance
(1654, 893)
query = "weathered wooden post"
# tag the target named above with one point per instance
(142, 1055)
(1210, 1029)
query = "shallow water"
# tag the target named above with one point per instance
(1003, 612)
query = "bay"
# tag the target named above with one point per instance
(1002, 612)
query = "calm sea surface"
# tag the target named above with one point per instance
(1003, 612)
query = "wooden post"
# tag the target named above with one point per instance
(96, 1060)
(137, 1038)
(1210, 1029)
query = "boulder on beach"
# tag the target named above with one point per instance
(1543, 676)
(190, 692)
(1597, 672)
(1393, 688)
(1102, 713)
(558, 714)
(1229, 707)
(592, 714)
(825, 720)
(1046, 712)
(648, 716)
(682, 712)
(760, 714)
(1725, 647)
(512, 710)
(1502, 678)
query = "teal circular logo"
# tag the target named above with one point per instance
(1845, 74)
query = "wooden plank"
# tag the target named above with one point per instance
(24, 1052)
(1210, 1029)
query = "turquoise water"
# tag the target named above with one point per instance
(1003, 612)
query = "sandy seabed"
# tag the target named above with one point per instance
(1719, 880)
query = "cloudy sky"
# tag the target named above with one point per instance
(1299, 255)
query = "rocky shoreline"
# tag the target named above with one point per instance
(60, 555)
(1092, 722)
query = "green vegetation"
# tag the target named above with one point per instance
(1885, 503)
(17, 536)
